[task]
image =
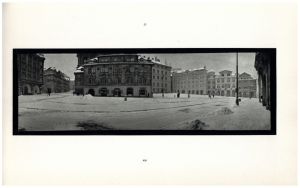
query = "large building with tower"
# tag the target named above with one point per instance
(121, 75)
(30, 73)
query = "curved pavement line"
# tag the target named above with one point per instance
(122, 111)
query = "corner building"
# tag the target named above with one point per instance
(56, 81)
(30, 73)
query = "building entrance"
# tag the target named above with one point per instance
(103, 92)
(91, 92)
(129, 91)
(117, 92)
(142, 92)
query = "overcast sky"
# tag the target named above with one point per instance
(213, 61)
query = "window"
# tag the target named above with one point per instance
(228, 79)
(228, 74)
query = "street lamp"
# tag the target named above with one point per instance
(237, 79)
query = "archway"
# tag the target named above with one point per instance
(142, 92)
(129, 91)
(91, 92)
(103, 91)
(26, 89)
(36, 89)
(117, 92)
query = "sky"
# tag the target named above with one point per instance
(67, 63)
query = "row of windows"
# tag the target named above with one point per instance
(158, 85)
(228, 74)
(228, 80)
(158, 71)
(201, 92)
(162, 78)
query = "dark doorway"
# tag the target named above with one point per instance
(142, 92)
(91, 92)
(117, 92)
(103, 92)
(25, 90)
(129, 91)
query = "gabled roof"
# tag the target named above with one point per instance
(225, 71)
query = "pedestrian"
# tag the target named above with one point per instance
(189, 94)
(49, 91)
(163, 95)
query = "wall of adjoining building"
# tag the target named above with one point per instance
(190, 81)
(263, 66)
(30, 73)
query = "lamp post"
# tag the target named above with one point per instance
(237, 79)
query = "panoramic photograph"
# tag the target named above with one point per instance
(101, 92)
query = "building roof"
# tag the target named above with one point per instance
(245, 74)
(225, 71)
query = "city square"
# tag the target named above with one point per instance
(99, 92)
(64, 111)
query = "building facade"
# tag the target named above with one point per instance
(205, 82)
(247, 85)
(263, 66)
(30, 73)
(115, 75)
(190, 81)
(122, 75)
(211, 83)
(55, 81)
(161, 77)
(225, 84)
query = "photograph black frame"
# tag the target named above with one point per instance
(273, 90)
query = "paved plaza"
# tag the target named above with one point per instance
(67, 112)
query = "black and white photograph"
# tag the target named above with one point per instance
(132, 93)
(144, 93)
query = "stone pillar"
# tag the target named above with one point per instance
(268, 88)
(259, 87)
(264, 89)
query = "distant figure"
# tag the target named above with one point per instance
(178, 94)
(49, 91)
(213, 95)
(209, 96)
(163, 95)
(189, 94)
